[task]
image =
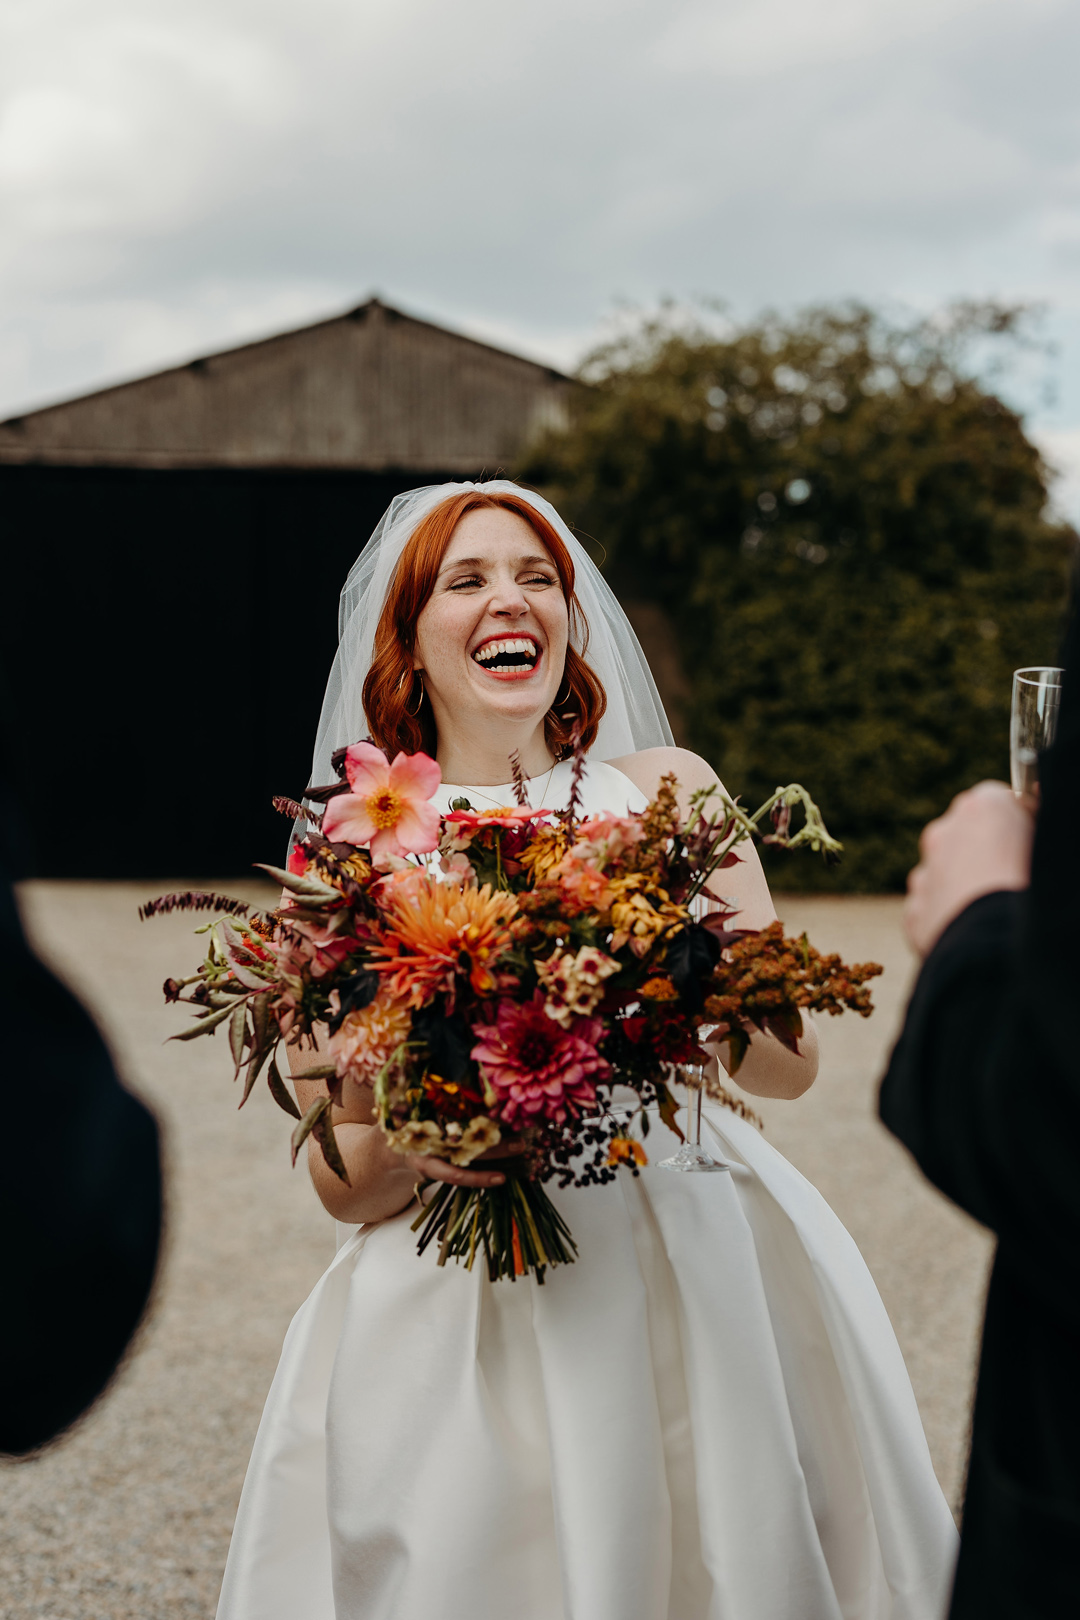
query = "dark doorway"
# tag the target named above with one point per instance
(166, 640)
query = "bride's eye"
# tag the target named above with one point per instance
(466, 581)
(539, 579)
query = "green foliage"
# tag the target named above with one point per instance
(848, 534)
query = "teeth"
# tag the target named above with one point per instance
(492, 650)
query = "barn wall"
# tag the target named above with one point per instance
(167, 637)
(375, 391)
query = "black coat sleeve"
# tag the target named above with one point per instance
(937, 1095)
(984, 1083)
(80, 1202)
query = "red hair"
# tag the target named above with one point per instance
(398, 710)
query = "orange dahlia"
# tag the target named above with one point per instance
(426, 937)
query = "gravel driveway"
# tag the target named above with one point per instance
(129, 1517)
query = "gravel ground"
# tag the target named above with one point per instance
(129, 1517)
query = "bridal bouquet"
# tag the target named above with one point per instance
(495, 974)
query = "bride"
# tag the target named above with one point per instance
(706, 1416)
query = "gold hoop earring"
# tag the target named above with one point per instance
(412, 713)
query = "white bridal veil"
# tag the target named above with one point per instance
(635, 716)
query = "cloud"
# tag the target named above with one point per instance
(178, 174)
(1061, 448)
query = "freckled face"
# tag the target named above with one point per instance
(491, 639)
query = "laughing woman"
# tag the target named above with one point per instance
(707, 1416)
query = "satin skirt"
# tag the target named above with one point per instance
(706, 1417)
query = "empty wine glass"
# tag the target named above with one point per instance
(691, 1155)
(1036, 698)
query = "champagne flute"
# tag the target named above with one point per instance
(691, 1155)
(1036, 698)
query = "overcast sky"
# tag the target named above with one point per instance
(177, 175)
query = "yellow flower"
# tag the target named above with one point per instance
(642, 912)
(453, 1144)
(659, 988)
(479, 1134)
(545, 850)
(418, 1136)
(357, 865)
(625, 1151)
(437, 1082)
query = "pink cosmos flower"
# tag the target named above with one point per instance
(388, 809)
(540, 1072)
(505, 815)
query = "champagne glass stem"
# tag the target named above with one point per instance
(693, 1107)
(692, 1156)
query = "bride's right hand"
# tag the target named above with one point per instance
(428, 1168)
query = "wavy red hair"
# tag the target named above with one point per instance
(392, 690)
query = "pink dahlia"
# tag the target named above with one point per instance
(388, 809)
(541, 1072)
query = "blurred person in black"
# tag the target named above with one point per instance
(80, 1191)
(984, 1088)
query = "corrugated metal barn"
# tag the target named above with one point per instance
(174, 548)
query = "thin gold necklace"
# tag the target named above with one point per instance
(500, 802)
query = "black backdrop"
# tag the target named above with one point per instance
(166, 638)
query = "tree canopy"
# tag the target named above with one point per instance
(848, 533)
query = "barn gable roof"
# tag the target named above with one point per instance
(371, 390)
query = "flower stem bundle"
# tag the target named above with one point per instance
(515, 1228)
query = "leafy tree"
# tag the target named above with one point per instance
(848, 533)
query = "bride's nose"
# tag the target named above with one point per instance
(508, 600)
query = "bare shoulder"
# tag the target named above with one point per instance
(646, 768)
(745, 882)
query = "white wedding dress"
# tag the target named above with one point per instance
(706, 1417)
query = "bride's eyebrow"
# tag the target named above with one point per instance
(464, 562)
(485, 562)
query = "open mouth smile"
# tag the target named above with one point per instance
(508, 655)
